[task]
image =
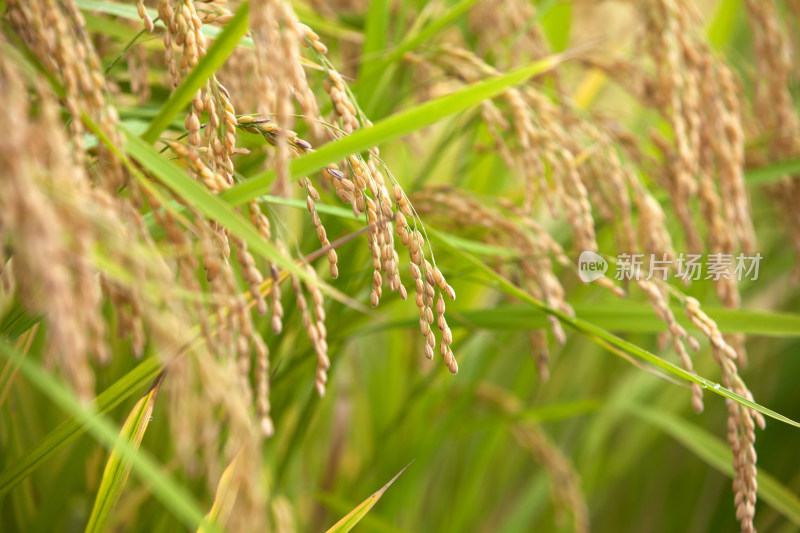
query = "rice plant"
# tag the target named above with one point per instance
(214, 213)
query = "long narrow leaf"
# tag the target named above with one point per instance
(395, 126)
(17, 321)
(227, 489)
(118, 467)
(217, 53)
(612, 342)
(717, 454)
(375, 34)
(215, 208)
(414, 39)
(72, 428)
(9, 372)
(113, 8)
(721, 25)
(174, 497)
(629, 317)
(352, 518)
(468, 245)
(557, 25)
(636, 317)
(772, 172)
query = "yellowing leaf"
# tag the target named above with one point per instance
(227, 490)
(118, 468)
(353, 517)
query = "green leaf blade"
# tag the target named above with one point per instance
(174, 496)
(217, 53)
(118, 468)
(352, 518)
(393, 127)
(610, 341)
(718, 455)
(71, 429)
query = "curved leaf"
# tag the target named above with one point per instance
(118, 467)
(215, 208)
(72, 428)
(217, 53)
(610, 341)
(225, 497)
(175, 497)
(395, 126)
(717, 454)
(353, 517)
(634, 317)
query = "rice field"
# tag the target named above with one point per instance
(447, 266)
